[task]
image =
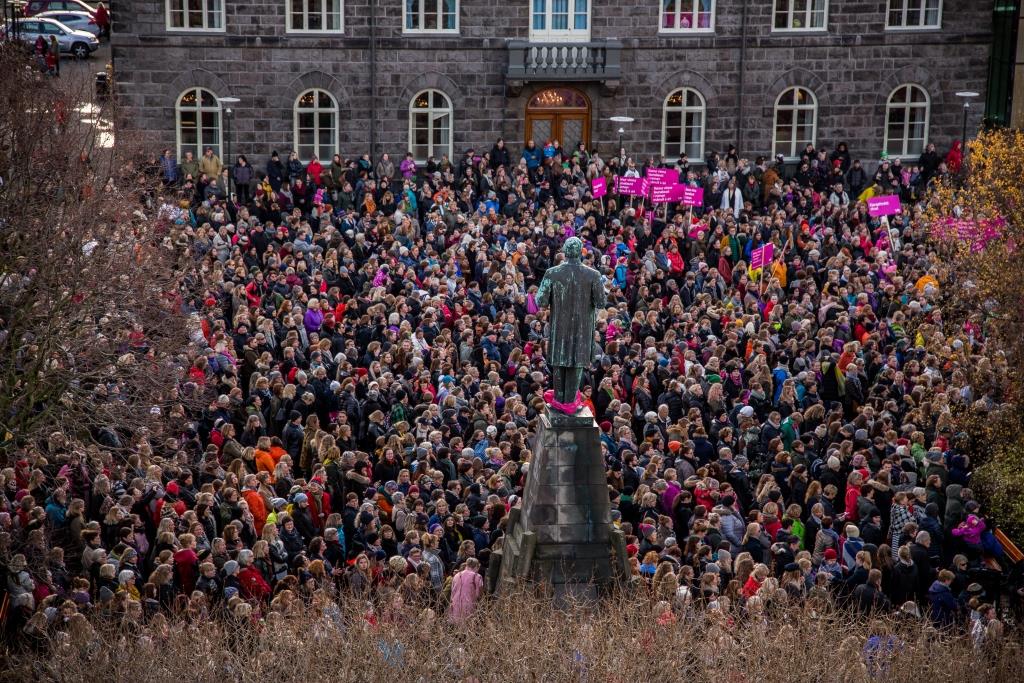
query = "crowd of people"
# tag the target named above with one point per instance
(366, 367)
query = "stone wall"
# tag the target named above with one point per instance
(851, 68)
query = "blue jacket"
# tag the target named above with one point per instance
(942, 605)
(55, 512)
(533, 157)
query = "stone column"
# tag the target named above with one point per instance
(562, 536)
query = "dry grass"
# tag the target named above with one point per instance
(517, 638)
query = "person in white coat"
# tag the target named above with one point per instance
(732, 199)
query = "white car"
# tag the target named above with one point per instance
(79, 21)
(80, 44)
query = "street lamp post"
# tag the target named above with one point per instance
(621, 120)
(966, 95)
(226, 102)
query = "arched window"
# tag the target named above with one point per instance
(906, 121)
(198, 119)
(796, 121)
(430, 125)
(316, 125)
(682, 124)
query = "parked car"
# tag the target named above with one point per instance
(77, 43)
(34, 7)
(79, 21)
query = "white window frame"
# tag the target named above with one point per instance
(316, 110)
(795, 146)
(439, 5)
(570, 34)
(792, 14)
(216, 11)
(905, 13)
(201, 144)
(336, 7)
(694, 6)
(682, 111)
(431, 113)
(907, 108)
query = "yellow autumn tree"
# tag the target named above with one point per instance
(976, 221)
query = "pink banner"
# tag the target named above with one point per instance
(650, 215)
(631, 186)
(697, 229)
(662, 176)
(759, 258)
(599, 186)
(665, 193)
(692, 196)
(885, 205)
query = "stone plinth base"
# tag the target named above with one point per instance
(562, 536)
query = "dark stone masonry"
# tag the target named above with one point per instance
(739, 69)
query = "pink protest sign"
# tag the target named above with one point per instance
(692, 196)
(759, 258)
(664, 193)
(599, 186)
(885, 205)
(662, 176)
(631, 186)
(650, 215)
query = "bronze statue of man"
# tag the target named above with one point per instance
(574, 292)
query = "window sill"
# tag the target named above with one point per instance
(684, 32)
(190, 31)
(913, 29)
(560, 38)
(801, 31)
(304, 32)
(440, 33)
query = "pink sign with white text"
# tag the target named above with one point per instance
(692, 196)
(630, 185)
(885, 205)
(662, 176)
(599, 186)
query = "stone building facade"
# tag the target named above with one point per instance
(494, 64)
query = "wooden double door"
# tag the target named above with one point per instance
(561, 114)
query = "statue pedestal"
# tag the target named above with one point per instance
(562, 535)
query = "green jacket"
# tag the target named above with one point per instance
(190, 168)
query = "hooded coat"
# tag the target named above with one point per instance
(954, 506)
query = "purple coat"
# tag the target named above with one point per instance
(313, 320)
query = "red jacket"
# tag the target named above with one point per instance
(852, 493)
(252, 585)
(186, 566)
(319, 509)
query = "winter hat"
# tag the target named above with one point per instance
(833, 463)
(106, 595)
(300, 498)
(858, 461)
(278, 503)
(231, 567)
(830, 554)
(852, 531)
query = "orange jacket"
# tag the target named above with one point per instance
(265, 463)
(257, 508)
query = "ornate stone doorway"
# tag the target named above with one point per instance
(559, 113)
